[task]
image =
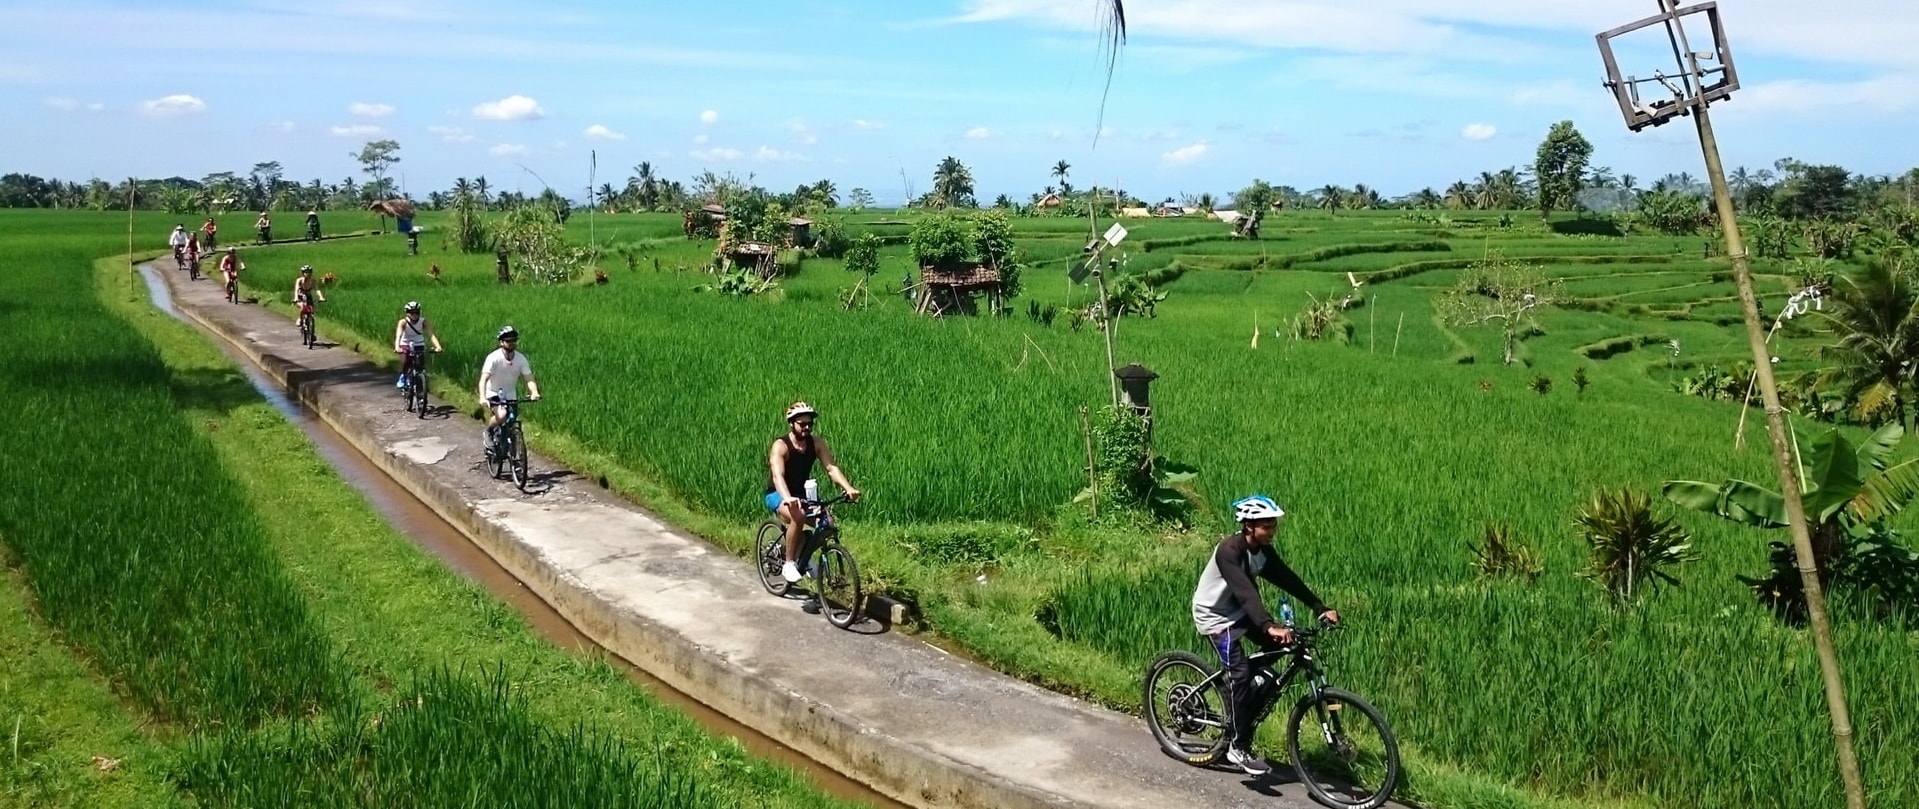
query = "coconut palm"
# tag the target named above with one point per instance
(1331, 197)
(481, 189)
(1875, 315)
(1459, 195)
(1426, 199)
(952, 183)
(1059, 173)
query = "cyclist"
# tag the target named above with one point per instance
(178, 241)
(304, 292)
(500, 377)
(410, 338)
(1227, 607)
(211, 229)
(265, 227)
(230, 268)
(789, 463)
(193, 254)
(313, 223)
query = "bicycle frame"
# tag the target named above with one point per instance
(1302, 663)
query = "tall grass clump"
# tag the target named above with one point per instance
(447, 741)
(135, 544)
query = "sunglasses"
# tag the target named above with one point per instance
(803, 423)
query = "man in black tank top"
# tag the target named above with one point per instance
(789, 464)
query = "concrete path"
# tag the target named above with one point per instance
(887, 709)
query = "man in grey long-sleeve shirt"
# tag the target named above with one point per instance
(1227, 606)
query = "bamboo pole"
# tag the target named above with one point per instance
(1834, 681)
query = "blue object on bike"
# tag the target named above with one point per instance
(401, 382)
(406, 225)
(1286, 612)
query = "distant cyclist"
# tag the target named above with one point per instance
(1227, 607)
(230, 267)
(211, 232)
(500, 375)
(410, 338)
(313, 224)
(789, 463)
(265, 227)
(304, 292)
(178, 241)
(193, 254)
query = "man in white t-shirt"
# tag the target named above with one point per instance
(500, 376)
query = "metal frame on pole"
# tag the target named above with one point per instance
(1691, 96)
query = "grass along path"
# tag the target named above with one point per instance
(397, 613)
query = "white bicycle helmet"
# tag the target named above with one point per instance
(306, 269)
(798, 409)
(412, 306)
(1257, 507)
(508, 333)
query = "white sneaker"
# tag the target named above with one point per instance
(1245, 760)
(790, 572)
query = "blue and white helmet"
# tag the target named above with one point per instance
(1257, 507)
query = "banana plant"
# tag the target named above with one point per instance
(1849, 488)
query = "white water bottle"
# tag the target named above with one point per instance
(812, 490)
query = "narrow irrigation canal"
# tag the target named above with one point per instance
(416, 521)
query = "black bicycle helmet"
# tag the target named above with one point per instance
(508, 333)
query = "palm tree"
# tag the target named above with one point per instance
(1363, 198)
(1601, 177)
(1459, 195)
(1426, 199)
(606, 194)
(825, 193)
(1628, 183)
(644, 186)
(1059, 173)
(1331, 197)
(1486, 192)
(462, 187)
(1876, 317)
(952, 183)
(480, 187)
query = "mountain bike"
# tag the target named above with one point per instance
(313, 231)
(307, 337)
(836, 577)
(413, 379)
(193, 268)
(179, 258)
(1341, 747)
(508, 453)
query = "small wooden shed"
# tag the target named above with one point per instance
(953, 289)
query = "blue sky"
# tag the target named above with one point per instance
(1397, 94)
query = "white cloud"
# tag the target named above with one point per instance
(282, 126)
(768, 154)
(600, 132)
(511, 108)
(73, 105)
(451, 134)
(1895, 92)
(1478, 132)
(978, 133)
(1860, 32)
(365, 110)
(1186, 154)
(803, 134)
(507, 149)
(718, 154)
(357, 131)
(700, 139)
(867, 126)
(180, 104)
(710, 117)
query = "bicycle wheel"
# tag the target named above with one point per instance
(416, 392)
(1342, 749)
(1185, 710)
(838, 578)
(502, 446)
(771, 542)
(518, 458)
